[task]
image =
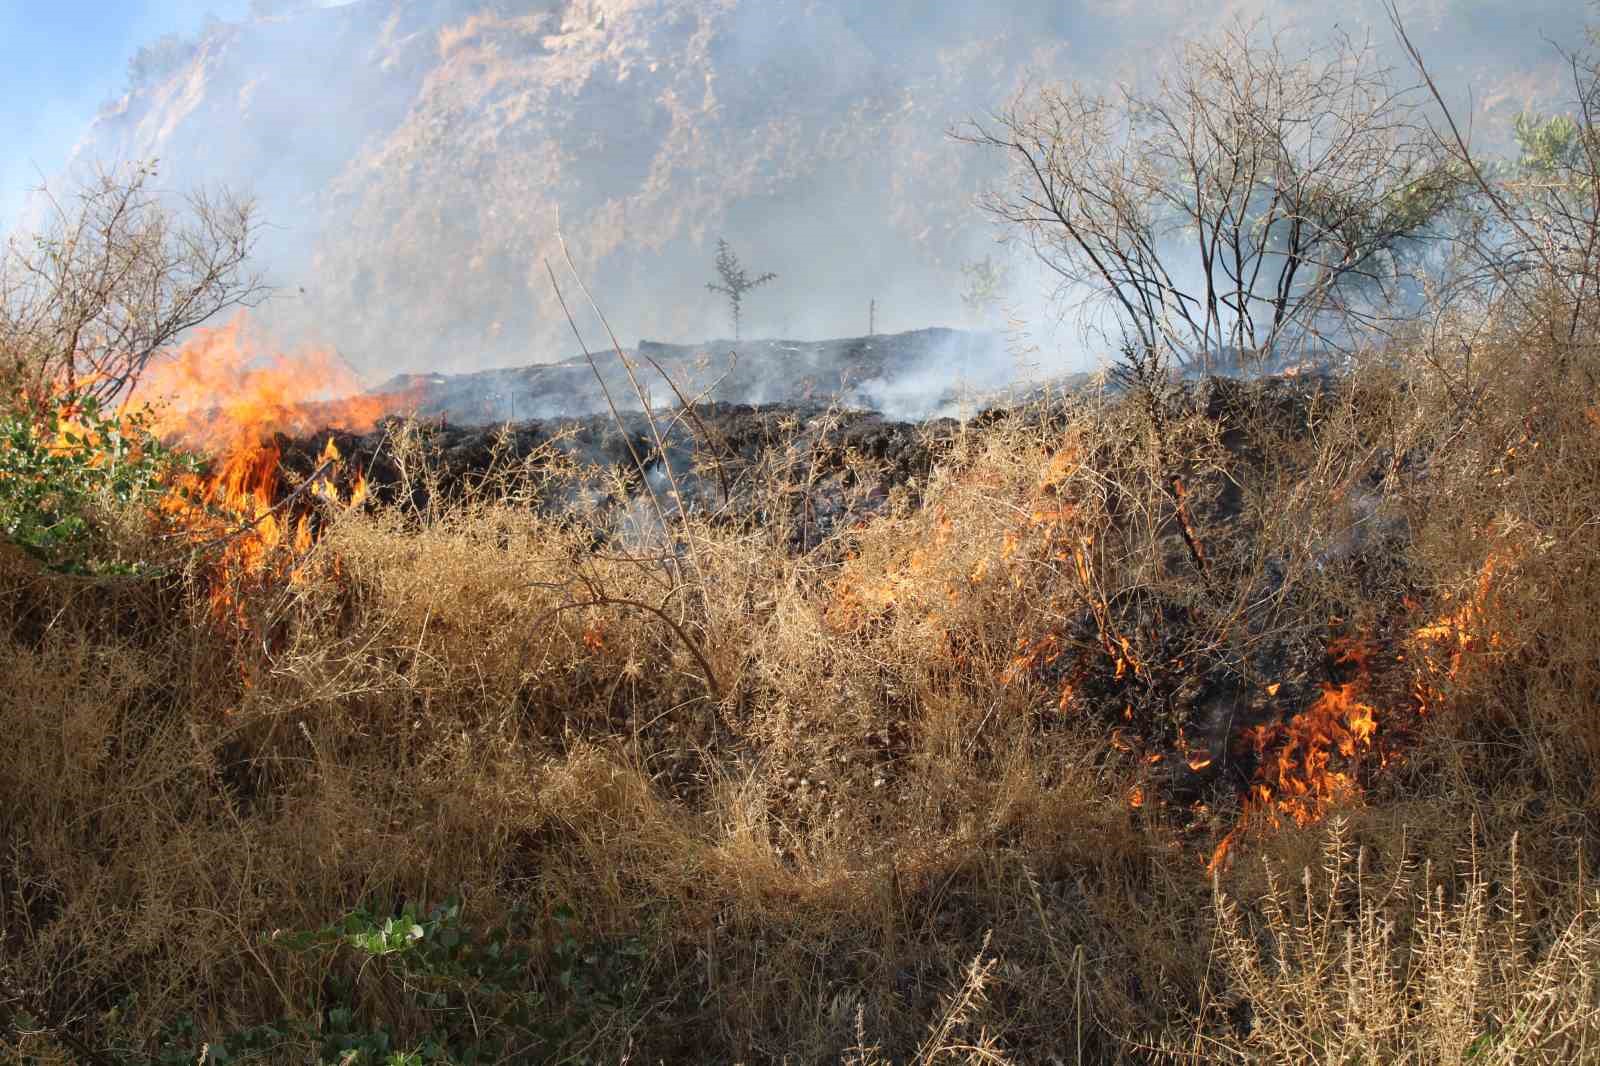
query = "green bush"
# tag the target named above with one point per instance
(61, 479)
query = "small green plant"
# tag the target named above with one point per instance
(735, 283)
(467, 995)
(61, 473)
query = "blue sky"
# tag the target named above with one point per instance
(59, 60)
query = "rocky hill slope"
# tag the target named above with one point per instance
(416, 158)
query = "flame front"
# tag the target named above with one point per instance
(218, 394)
(1307, 765)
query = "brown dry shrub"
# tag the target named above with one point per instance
(464, 703)
(817, 784)
(1451, 920)
(1407, 965)
(1503, 518)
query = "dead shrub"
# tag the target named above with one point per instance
(821, 782)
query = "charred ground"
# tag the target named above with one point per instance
(1202, 714)
(879, 737)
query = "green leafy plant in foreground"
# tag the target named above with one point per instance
(60, 477)
(483, 994)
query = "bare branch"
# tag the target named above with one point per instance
(1245, 205)
(115, 279)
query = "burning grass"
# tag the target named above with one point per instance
(988, 777)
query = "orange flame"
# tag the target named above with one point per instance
(1463, 630)
(861, 597)
(236, 508)
(1307, 764)
(220, 394)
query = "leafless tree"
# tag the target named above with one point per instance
(1243, 203)
(736, 281)
(116, 276)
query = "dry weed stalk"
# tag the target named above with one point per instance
(943, 1044)
(452, 701)
(1406, 968)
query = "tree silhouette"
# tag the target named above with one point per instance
(735, 282)
(1246, 203)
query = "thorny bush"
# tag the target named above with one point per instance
(457, 701)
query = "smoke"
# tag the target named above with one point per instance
(63, 63)
(915, 375)
(414, 159)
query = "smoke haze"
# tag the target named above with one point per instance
(413, 159)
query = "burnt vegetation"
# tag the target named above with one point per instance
(1172, 717)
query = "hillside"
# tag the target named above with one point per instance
(455, 690)
(413, 157)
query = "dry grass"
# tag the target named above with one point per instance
(819, 789)
(1408, 966)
